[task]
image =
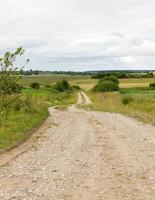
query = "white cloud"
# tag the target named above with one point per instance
(80, 34)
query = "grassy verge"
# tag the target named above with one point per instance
(138, 103)
(34, 103)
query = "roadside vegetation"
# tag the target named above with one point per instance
(136, 102)
(23, 108)
(29, 112)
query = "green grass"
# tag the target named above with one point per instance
(136, 102)
(14, 129)
(138, 91)
(15, 126)
(49, 79)
(52, 98)
(36, 92)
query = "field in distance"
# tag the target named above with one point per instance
(84, 81)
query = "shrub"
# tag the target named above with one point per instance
(106, 86)
(127, 99)
(61, 86)
(35, 85)
(110, 78)
(48, 86)
(152, 85)
(15, 88)
(75, 87)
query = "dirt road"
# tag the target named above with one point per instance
(81, 155)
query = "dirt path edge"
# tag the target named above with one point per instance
(8, 154)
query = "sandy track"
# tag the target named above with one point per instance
(82, 155)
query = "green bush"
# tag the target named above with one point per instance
(152, 85)
(48, 86)
(127, 99)
(61, 86)
(35, 85)
(75, 87)
(14, 88)
(106, 86)
(110, 78)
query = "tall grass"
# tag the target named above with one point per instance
(139, 105)
(28, 112)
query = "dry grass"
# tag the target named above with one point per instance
(135, 82)
(140, 106)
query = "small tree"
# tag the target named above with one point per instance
(9, 79)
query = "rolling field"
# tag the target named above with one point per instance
(49, 79)
(84, 81)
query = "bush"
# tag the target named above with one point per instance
(35, 85)
(127, 99)
(106, 86)
(110, 78)
(62, 86)
(75, 87)
(48, 86)
(152, 85)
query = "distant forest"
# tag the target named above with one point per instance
(96, 74)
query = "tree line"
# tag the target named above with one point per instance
(123, 75)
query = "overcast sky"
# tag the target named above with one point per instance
(80, 34)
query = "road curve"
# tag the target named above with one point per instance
(81, 155)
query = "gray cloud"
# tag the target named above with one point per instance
(80, 34)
